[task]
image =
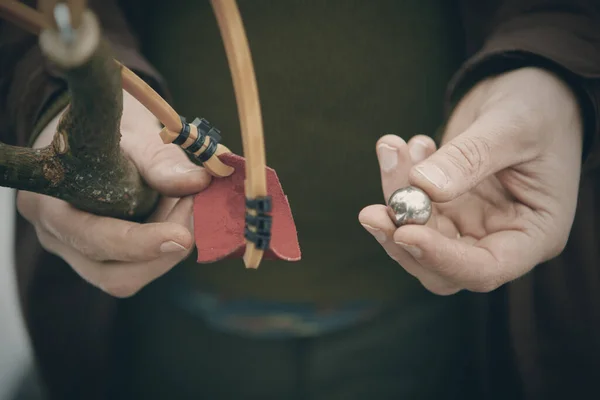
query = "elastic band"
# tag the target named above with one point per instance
(210, 150)
(205, 129)
(261, 222)
(261, 240)
(184, 134)
(260, 204)
(197, 145)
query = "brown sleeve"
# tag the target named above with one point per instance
(559, 35)
(32, 92)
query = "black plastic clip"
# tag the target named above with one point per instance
(261, 222)
(260, 204)
(184, 134)
(204, 129)
(207, 129)
(261, 240)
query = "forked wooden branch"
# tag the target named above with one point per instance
(84, 164)
(74, 146)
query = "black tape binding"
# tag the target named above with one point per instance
(184, 134)
(260, 204)
(205, 129)
(194, 147)
(261, 222)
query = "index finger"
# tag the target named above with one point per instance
(394, 163)
(103, 239)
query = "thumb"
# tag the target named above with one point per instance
(165, 168)
(168, 170)
(488, 145)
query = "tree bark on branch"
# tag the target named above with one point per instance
(84, 165)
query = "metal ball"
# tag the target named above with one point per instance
(409, 205)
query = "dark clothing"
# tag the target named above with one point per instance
(333, 76)
(538, 336)
(373, 360)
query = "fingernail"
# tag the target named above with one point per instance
(418, 151)
(388, 157)
(184, 168)
(433, 174)
(171, 247)
(379, 235)
(410, 249)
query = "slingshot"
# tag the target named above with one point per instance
(244, 212)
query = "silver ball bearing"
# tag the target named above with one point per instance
(409, 205)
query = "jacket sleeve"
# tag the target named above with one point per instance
(560, 35)
(32, 92)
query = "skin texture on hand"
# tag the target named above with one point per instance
(121, 257)
(503, 184)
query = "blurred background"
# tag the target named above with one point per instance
(15, 352)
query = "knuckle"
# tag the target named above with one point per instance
(24, 206)
(521, 128)
(120, 289)
(93, 243)
(45, 239)
(557, 247)
(552, 234)
(440, 288)
(486, 280)
(526, 115)
(469, 155)
(90, 253)
(483, 286)
(134, 250)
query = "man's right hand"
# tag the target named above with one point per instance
(121, 257)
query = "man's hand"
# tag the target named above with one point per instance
(121, 257)
(504, 185)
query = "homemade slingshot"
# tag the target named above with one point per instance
(244, 211)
